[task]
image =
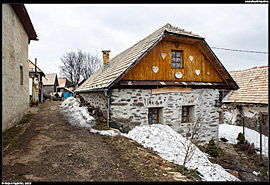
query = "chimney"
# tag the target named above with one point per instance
(106, 57)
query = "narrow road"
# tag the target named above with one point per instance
(51, 149)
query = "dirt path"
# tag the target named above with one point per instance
(51, 149)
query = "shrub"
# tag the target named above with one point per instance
(240, 138)
(212, 149)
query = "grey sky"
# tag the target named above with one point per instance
(93, 28)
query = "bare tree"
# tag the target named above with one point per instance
(91, 64)
(192, 138)
(78, 66)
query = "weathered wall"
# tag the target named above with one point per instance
(15, 97)
(96, 100)
(234, 114)
(130, 108)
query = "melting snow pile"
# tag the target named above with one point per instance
(164, 140)
(75, 114)
(230, 132)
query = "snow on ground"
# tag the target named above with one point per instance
(161, 138)
(230, 132)
(167, 143)
(75, 114)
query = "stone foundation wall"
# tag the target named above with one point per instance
(130, 108)
(96, 100)
(235, 114)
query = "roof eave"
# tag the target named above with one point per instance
(23, 15)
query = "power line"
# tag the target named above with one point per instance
(261, 52)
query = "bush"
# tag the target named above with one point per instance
(212, 149)
(240, 138)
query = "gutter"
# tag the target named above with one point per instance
(108, 109)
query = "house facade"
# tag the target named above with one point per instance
(170, 77)
(63, 88)
(17, 32)
(248, 105)
(50, 83)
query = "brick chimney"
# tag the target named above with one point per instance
(106, 57)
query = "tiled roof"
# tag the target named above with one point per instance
(120, 64)
(50, 79)
(62, 82)
(32, 67)
(253, 85)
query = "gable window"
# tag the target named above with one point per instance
(177, 59)
(21, 74)
(153, 116)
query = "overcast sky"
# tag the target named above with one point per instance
(93, 28)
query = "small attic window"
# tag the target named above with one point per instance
(177, 59)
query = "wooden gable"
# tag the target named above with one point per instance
(196, 67)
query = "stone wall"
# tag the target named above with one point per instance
(234, 114)
(130, 108)
(96, 100)
(15, 97)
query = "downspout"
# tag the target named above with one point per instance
(108, 109)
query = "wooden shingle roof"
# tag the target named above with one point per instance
(253, 85)
(50, 79)
(104, 78)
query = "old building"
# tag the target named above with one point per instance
(35, 72)
(249, 104)
(17, 32)
(63, 88)
(50, 83)
(170, 77)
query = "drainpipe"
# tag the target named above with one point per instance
(108, 110)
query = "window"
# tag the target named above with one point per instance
(177, 58)
(188, 114)
(153, 116)
(185, 114)
(21, 74)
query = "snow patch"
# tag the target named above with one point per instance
(75, 114)
(167, 143)
(230, 132)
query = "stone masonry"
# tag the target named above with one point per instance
(129, 107)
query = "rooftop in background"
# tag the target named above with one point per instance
(62, 82)
(253, 85)
(32, 68)
(50, 78)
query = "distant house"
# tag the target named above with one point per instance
(248, 104)
(17, 32)
(170, 77)
(39, 73)
(63, 88)
(50, 83)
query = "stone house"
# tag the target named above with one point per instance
(249, 104)
(170, 77)
(17, 32)
(35, 71)
(50, 83)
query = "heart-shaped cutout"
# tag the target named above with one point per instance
(163, 55)
(197, 71)
(191, 58)
(155, 69)
(208, 73)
